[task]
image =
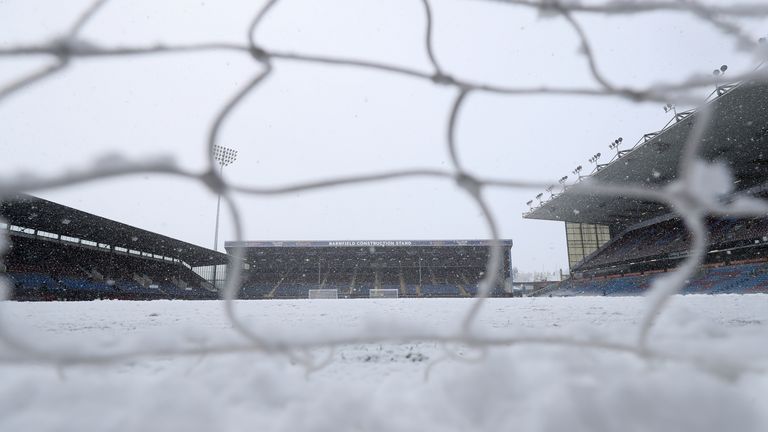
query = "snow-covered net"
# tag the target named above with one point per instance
(696, 194)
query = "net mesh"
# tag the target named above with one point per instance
(683, 196)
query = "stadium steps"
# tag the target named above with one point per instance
(424, 288)
(142, 279)
(94, 274)
(351, 287)
(432, 275)
(274, 289)
(472, 286)
(179, 283)
(457, 281)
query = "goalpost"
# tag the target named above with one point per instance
(323, 294)
(384, 293)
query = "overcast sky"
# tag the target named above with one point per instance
(311, 122)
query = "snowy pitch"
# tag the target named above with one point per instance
(382, 387)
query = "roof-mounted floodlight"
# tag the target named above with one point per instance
(721, 71)
(615, 145)
(717, 74)
(670, 107)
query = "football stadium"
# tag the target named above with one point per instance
(367, 267)
(615, 245)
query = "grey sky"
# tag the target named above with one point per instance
(309, 122)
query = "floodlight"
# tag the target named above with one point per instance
(717, 73)
(225, 156)
(615, 145)
(720, 71)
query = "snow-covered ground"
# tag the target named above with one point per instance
(383, 387)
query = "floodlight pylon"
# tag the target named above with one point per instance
(224, 156)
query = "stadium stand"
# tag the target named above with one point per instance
(738, 278)
(439, 268)
(618, 245)
(670, 238)
(59, 253)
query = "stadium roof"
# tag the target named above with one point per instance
(32, 212)
(737, 136)
(361, 243)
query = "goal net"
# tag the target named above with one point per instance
(383, 293)
(455, 107)
(323, 294)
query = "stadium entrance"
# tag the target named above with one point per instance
(367, 268)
